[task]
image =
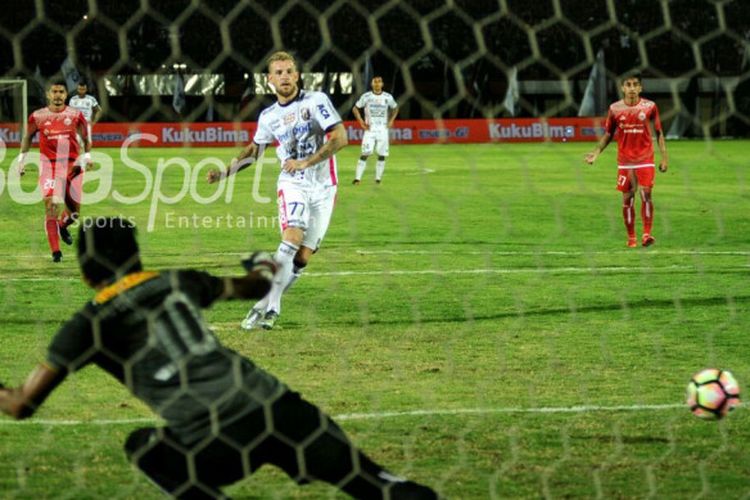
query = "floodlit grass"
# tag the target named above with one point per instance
(452, 315)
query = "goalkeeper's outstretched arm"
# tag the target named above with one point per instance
(260, 268)
(21, 402)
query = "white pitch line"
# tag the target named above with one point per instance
(66, 422)
(485, 411)
(556, 270)
(550, 270)
(547, 252)
(422, 172)
(381, 415)
(509, 253)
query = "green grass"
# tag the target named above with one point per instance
(485, 279)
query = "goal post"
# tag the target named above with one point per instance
(14, 102)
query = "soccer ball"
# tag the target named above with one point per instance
(712, 393)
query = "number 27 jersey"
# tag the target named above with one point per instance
(300, 128)
(631, 127)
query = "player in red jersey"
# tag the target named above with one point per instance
(60, 168)
(630, 122)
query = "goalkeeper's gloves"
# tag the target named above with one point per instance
(261, 262)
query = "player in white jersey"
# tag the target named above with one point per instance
(299, 122)
(86, 104)
(380, 112)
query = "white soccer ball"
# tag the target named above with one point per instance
(713, 393)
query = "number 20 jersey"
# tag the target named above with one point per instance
(299, 127)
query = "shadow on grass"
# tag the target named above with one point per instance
(607, 439)
(555, 311)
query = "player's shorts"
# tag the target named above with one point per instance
(307, 209)
(375, 140)
(55, 180)
(643, 176)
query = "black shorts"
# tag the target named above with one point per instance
(245, 445)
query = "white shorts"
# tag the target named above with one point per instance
(307, 209)
(375, 140)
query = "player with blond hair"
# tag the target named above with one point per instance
(309, 132)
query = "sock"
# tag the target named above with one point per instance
(361, 164)
(628, 215)
(53, 237)
(379, 169)
(284, 258)
(647, 215)
(296, 273)
(67, 218)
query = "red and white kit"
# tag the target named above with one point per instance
(632, 128)
(59, 149)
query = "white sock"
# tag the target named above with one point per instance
(284, 258)
(361, 165)
(379, 169)
(296, 273)
(262, 304)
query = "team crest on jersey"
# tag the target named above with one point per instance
(304, 113)
(47, 123)
(641, 116)
(290, 118)
(67, 121)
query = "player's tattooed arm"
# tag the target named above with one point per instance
(247, 157)
(336, 140)
(23, 401)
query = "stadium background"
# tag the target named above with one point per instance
(440, 59)
(477, 323)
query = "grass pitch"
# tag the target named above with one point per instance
(475, 322)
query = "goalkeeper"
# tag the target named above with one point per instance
(225, 417)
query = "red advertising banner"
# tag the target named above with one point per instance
(403, 132)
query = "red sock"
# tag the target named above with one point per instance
(628, 215)
(647, 215)
(50, 225)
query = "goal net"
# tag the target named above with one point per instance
(473, 319)
(13, 107)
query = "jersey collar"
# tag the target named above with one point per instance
(126, 282)
(297, 98)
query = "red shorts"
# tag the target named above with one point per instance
(643, 176)
(55, 180)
